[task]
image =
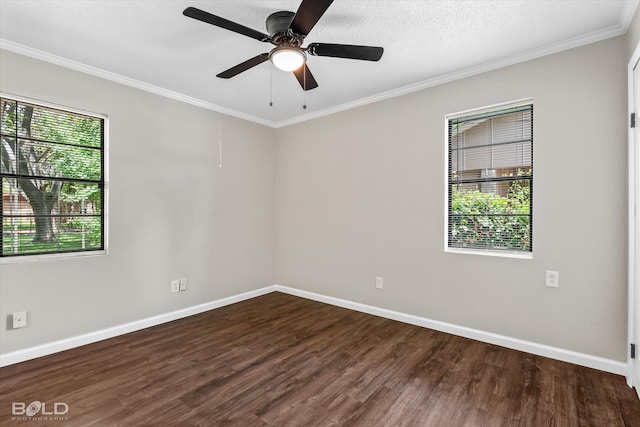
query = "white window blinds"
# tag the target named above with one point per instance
(52, 180)
(490, 179)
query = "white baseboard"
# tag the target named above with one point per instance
(91, 337)
(595, 362)
(582, 359)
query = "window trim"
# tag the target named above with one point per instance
(478, 251)
(105, 179)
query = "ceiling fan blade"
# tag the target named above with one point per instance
(307, 15)
(305, 78)
(203, 16)
(366, 53)
(244, 66)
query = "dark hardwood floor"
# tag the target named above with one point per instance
(279, 360)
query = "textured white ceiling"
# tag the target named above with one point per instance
(149, 43)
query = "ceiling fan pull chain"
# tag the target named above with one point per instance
(220, 143)
(271, 86)
(304, 85)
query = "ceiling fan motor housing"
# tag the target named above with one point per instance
(278, 26)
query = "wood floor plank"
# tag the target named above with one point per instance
(280, 360)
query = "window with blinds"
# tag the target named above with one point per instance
(52, 180)
(490, 179)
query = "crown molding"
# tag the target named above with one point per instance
(626, 16)
(117, 78)
(529, 55)
(621, 28)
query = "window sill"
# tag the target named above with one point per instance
(50, 257)
(488, 252)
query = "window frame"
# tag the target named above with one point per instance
(504, 253)
(10, 259)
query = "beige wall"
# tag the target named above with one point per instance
(352, 196)
(360, 194)
(172, 212)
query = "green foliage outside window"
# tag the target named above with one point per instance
(487, 220)
(52, 180)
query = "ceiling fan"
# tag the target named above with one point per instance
(287, 31)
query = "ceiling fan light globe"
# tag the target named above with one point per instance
(288, 59)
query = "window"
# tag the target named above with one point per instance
(52, 173)
(490, 180)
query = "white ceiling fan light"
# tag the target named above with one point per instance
(287, 58)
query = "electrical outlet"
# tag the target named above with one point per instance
(552, 279)
(379, 282)
(175, 285)
(19, 319)
(183, 284)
